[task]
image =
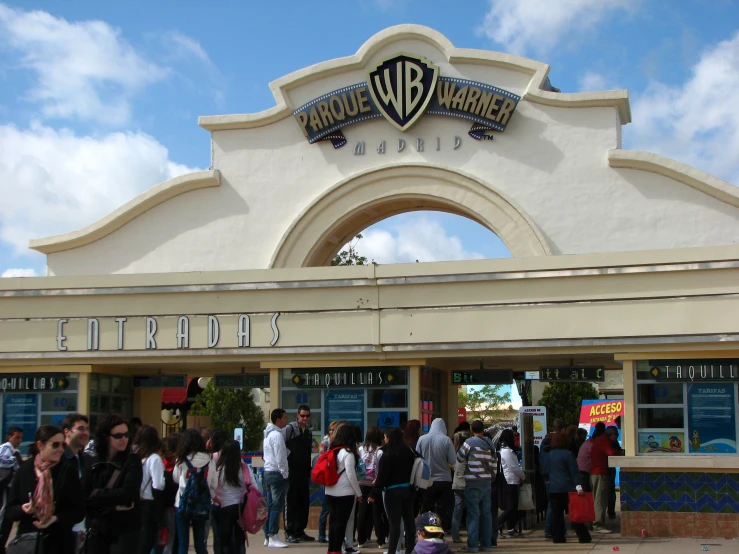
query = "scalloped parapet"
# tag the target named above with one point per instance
(534, 93)
(129, 211)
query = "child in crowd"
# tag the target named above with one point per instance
(430, 535)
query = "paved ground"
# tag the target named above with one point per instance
(534, 543)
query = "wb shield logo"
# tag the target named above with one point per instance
(402, 88)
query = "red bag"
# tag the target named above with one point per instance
(582, 508)
(255, 512)
(326, 471)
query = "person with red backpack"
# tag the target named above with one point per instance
(198, 480)
(226, 504)
(342, 487)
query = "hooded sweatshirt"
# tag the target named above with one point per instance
(431, 546)
(198, 460)
(275, 451)
(438, 451)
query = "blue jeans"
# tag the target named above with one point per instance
(183, 535)
(323, 517)
(548, 519)
(459, 508)
(479, 517)
(275, 489)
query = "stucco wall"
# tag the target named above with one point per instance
(551, 163)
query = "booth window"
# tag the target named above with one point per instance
(110, 393)
(384, 406)
(430, 407)
(691, 417)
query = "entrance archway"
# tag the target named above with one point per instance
(354, 204)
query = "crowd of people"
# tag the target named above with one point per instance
(475, 482)
(125, 492)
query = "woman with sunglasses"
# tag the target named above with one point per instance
(113, 509)
(46, 495)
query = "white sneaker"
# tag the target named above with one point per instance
(266, 542)
(274, 542)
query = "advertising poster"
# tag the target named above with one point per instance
(539, 414)
(388, 419)
(712, 418)
(593, 411)
(21, 410)
(667, 443)
(345, 405)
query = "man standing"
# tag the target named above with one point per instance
(10, 461)
(299, 442)
(438, 451)
(76, 436)
(600, 480)
(274, 481)
(546, 446)
(478, 455)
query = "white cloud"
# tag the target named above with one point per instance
(593, 82)
(697, 122)
(53, 181)
(19, 272)
(421, 239)
(83, 70)
(185, 46)
(525, 26)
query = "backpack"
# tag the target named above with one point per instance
(195, 500)
(254, 514)
(361, 470)
(421, 474)
(370, 465)
(326, 471)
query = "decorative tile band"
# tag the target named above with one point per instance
(713, 493)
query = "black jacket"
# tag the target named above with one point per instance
(102, 516)
(69, 507)
(300, 444)
(395, 468)
(82, 464)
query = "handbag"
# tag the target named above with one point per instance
(525, 497)
(582, 508)
(28, 543)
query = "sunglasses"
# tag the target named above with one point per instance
(55, 445)
(304, 416)
(119, 435)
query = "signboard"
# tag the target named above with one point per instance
(712, 418)
(539, 414)
(36, 382)
(593, 411)
(461, 415)
(401, 89)
(572, 374)
(242, 381)
(388, 419)
(21, 410)
(531, 375)
(344, 377)
(694, 370)
(160, 381)
(666, 443)
(345, 405)
(482, 377)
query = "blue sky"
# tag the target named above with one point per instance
(99, 100)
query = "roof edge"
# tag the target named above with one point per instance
(128, 212)
(534, 93)
(654, 163)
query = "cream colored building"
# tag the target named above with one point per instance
(619, 257)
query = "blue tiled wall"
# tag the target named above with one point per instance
(680, 492)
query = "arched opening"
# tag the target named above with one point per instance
(426, 236)
(360, 201)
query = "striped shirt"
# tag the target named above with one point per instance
(480, 458)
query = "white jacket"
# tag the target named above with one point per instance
(275, 451)
(347, 484)
(198, 460)
(512, 472)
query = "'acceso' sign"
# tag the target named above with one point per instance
(401, 89)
